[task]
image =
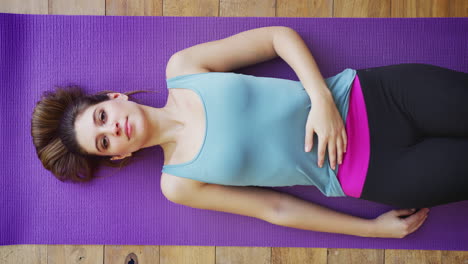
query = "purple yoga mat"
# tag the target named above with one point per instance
(130, 53)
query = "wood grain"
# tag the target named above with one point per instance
(77, 7)
(23, 254)
(71, 254)
(186, 254)
(24, 6)
(304, 8)
(134, 8)
(356, 256)
(361, 8)
(459, 257)
(429, 8)
(143, 254)
(191, 8)
(284, 255)
(393, 256)
(247, 8)
(247, 255)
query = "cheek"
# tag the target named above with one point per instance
(118, 146)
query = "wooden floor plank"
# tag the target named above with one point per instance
(245, 255)
(454, 257)
(77, 7)
(356, 256)
(71, 254)
(361, 8)
(191, 8)
(23, 254)
(131, 254)
(429, 8)
(24, 6)
(247, 8)
(134, 8)
(304, 8)
(186, 254)
(393, 256)
(285, 255)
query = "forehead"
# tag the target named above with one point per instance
(86, 130)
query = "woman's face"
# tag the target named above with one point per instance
(101, 129)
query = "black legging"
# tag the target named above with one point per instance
(418, 127)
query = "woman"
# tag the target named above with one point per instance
(405, 125)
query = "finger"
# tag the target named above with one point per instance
(414, 219)
(419, 224)
(339, 148)
(404, 212)
(309, 140)
(321, 150)
(332, 152)
(345, 140)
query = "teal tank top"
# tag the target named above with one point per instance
(255, 131)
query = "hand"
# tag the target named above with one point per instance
(325, 120)
(391, 225)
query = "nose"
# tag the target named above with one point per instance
(116, 129)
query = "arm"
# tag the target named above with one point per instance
(269, 205)
(286, 210)
(251, 47)
(301, 214)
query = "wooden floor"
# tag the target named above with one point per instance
(108, 254)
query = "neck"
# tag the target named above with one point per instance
(165, 124)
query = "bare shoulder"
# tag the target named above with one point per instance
(179, 64)
(174, 188)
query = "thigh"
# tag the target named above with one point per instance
(432, 98)
(429, 173)
(390, 125)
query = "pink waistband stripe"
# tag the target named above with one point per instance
(352, 172)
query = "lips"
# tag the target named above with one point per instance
(127, 129)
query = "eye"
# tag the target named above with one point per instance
(102, 116)
(105, 142)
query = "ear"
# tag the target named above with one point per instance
(121, 157)
(117, 96)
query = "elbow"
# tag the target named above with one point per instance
(281, 36)
(282, 30)
(285, 29)
(277, 214)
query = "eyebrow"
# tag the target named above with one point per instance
(94, 121)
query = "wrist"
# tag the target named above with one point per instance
(320, 93)
(371, 230)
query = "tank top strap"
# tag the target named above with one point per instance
(193, 82)
(189, 81)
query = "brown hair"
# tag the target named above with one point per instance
(54, 136)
